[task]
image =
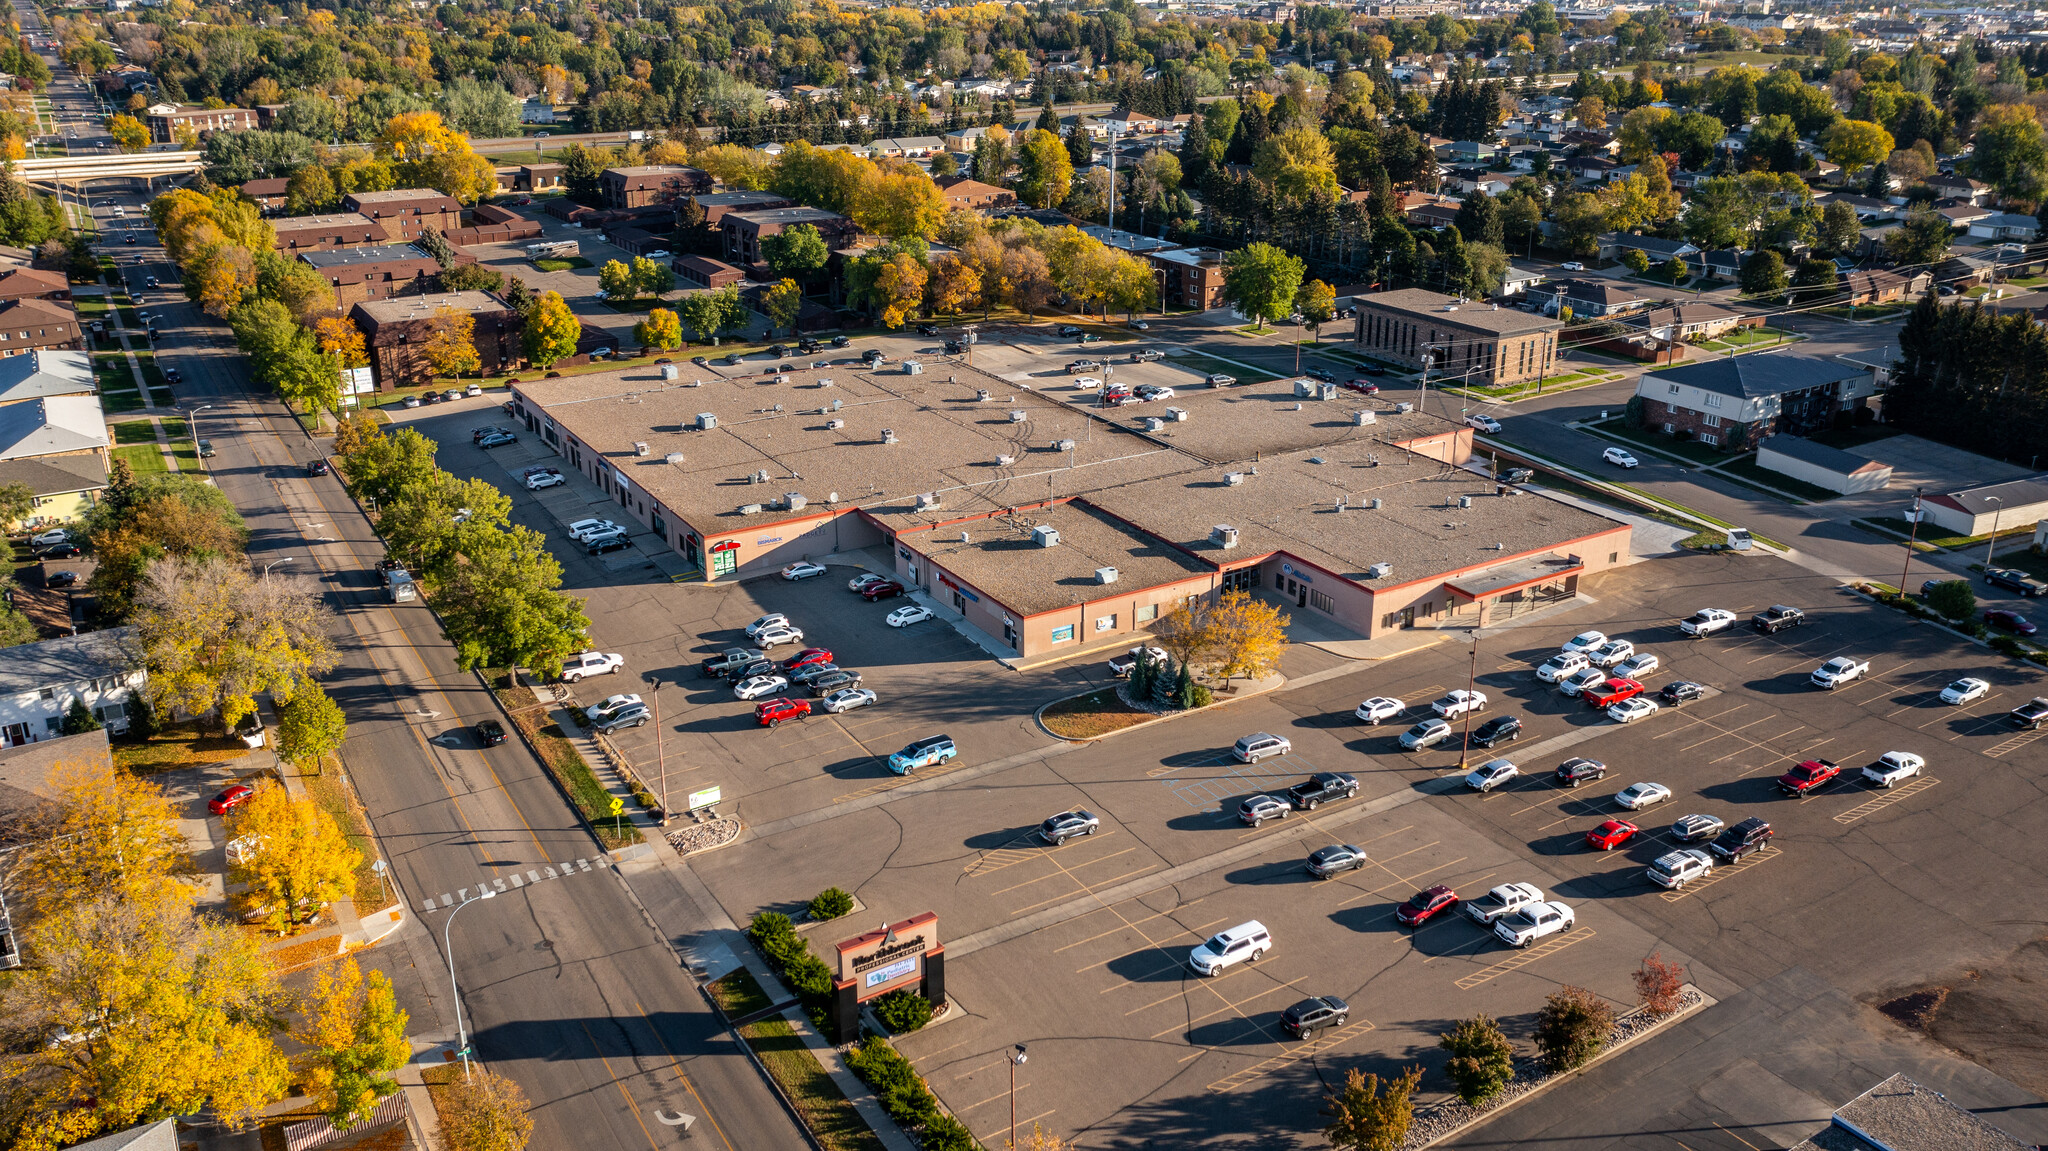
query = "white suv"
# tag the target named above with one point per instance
(1245, 943)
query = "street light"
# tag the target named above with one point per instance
(193, 416)
(461, 1032)
(1991, 545)
(1016, 1061)
(274, 563)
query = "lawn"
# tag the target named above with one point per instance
(1564, 383)
(556, 265)
(1747, 468)
(825, 1110)
(1093, 715)
(135, 432)
(1208, 365)
(1748, 339)
(1861, 312)
(118, 400)
(1692, 450)
(738, 995)
(143, 459)
(1929, 534)
(179, 746)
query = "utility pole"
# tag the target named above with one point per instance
(1471, 677)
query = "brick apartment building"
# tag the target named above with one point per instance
(718, 205)
(744, 231)
(31, 325)
(33, 284)
(404, 213)
(335, 230)
(967, 192)
(1480, 344)
(376, 272)
(1735, 402)
(396, 331)
(164, 120)
(1192, 277)
(650, 184)
(267, 193)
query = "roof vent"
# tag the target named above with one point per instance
(1063, 445)
(1379, 571)
(1005, 461)
(1105, 575)
(927, 500)
(1364, 419)
(1464, 501)
(981, 395)
(837, 404)
(831, 497)
(1233, 479)
(640, 448)
(672, 458)
(1316, 459)
(750, 509)
(1342, 503)
(760, 477)
(965, 538)
(782, 379)
(1326, 391)
(1017, 416)
(1223, 535)
(1450, 307)
(824, 383)
(888, 435)
(1045, 536)
(1177, 415)
(1404, 408)
(794, 501)
(706, 421)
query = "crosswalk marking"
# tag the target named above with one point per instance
(533, 875)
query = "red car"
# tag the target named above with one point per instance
(1610, 835)
(1808, 776)
(230, 799)
(1613, 691)
(1424, 906)
(1364, 387)
(882, 590)
(806, 658)
(771, 712)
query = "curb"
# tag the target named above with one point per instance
(1938, 625)
(735, 820)
(1038, 717)
(1497, 1110)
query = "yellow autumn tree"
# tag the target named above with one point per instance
(486, 1112)
(899, 204)
(955, 284)
(220, 276)
(661, 329)
(354, 1034)
(340, 337)
(297, 858)
(104, 833)
(900, 286)
(451, 345)
(1247, 636)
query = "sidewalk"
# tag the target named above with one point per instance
(596, 751)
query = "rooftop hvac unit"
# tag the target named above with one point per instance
(1105, 575)
(965, 538)
(1177, 415)
(1005, 461)
(837, 404)
(927, 500)
(706, 421)
(672, 458)
(912, 368)
(1464, 501)
(1379, 571)
(1364, 419)
(1223, 535)
(824, 383)
(888, 435)
(835, 425)
(1304, 387)
(760, 477)
(794, 501)
(1154, 423)
(1404, 408)
(1063, 445)
(981, 395)
(671, 372)
(1017, 416)
(782, 379)
(1374, 503)
(1342, 503)
(1045, 536)
(750, 509)
(1326, 391)
(1233, 479)
(640, 448)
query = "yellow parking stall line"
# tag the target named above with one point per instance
(1400, 881)
(1085, 889)
(1133, 925)
(1696, 720)
(1174, 966)
(1001, 1134)
(1229, 1007)
(891, 784)
(1524, 958)
(1005, 1094)
(1725, 732)
(1260, 1070)
(1947, 713)
(2015, 743)
(1764, 742)
(1879, 803)
(942, 1051)
(1485, 937)
(1000, 858)
(1721, 873)
(1086, 863)
(1114, 930)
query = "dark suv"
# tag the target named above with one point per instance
(1499, 729)
(1742, 839)
(1312, 1015)
(1573, 772)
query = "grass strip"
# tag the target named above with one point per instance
(1875, 528)
(566, 764)
(179, 746)
(1092, 715)
(738, 995)
(561, 265)
(1905, 528)
(823, 1106)
(1689, 450)
(135, 432)
(143, 459)
(121, 400)
(331, 790)
(1211, 366)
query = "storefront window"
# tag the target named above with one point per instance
(1148, 613)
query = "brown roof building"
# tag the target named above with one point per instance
(335, 230)
(376, 272)
(1478, 344)
(33, 284)
(404, 213)
(396, 331)
(718, 205)
(538, 177)
(164, 120)
(967, 192)
(705, 272)
(744, 231)
(651, 184)
(268, 193)
(29, 325)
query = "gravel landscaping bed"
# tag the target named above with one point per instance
(1439, 1121)
(705, 836)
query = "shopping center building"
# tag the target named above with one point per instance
(1047, 521)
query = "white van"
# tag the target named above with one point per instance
(1244, 943)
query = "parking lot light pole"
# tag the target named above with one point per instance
(1016, 1061)
(1991, 545)
(660, 754)
(461, 1032)
(1911, 538)
(1471, 677)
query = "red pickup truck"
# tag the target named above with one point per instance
(1612, 692)
(770, 712)
(1807, 776)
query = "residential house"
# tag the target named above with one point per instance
(165, 121)
(373, 272)
(405, 214)
(1467, 152)
(1966, 269)
(396, 331)
(1686, 323)
(40, 375)
(1592, 298)
(1517, 282)
(1950, 187)
(1736, 401)
(1963, 214)
(40, 681)
(1433, 214)
(2006, 226)
(1658, 249)
(1867, 208)
(967, 192)
(964, 139)
(34, 284)
(267, 193)
(537, 111)
(1883, 286)
(1190, 277)
(29, 324)
(1466, 180)
(1479, 344)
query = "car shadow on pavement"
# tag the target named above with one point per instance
(1289, 871)
(1151, 965)
(1757, 789)
(1788, 684)
(1017, 837)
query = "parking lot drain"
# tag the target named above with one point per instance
(1294, 1055)
(1886, 799)
(1523, 959)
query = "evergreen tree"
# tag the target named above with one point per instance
(1194, 152)
(1183, 689)
(1479, 220)
(1162, 684)
(1141, 676)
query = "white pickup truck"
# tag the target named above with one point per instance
(1707, 621)
(589, 663)
(1838, 671)
(1503, 900)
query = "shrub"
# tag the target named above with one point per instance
(768, 924)
(1953, 599)
(1482, 1060)
(1572, 1027)
(905, 1097)
(808, 976)
(1658, 984)
(1682, 434)
(830, 903)
(1200, 696)
(2007, 645)
(903, 1011)
(1635, 261)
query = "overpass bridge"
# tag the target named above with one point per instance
(60, 172)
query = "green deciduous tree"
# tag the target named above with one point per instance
(1482, 1060)
(796, 253)
(1635, 260)
(2010, 155)
(615, 280)
(784, 301)
(141, 521)
(214, 636)
(1316, 302)
(1571, 1028)
(1923, 238)
(310, 727)
(1856, 144)
(651, 277)
(709, 313)
(502, 607)
(1260, 281)
(1763, 273)
(1953, 600)
(1046, 173)
(1366, 1117)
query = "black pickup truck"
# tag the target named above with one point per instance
(1322, 787)
(1777, 618)
(730, 658)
